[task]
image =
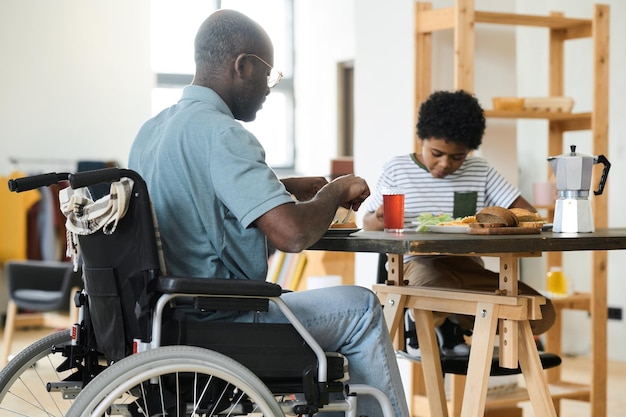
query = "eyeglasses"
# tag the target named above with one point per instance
(275, 75)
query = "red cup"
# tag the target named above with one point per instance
(393, 211)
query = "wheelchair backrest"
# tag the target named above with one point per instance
(120, 270)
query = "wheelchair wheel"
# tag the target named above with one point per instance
(176, 381)
(23, 380)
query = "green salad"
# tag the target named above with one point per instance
(430, 219)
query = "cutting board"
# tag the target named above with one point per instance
(503, 230)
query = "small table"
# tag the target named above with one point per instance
(516, 341)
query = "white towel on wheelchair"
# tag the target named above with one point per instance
(85, 216)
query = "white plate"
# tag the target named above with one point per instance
(448, 229)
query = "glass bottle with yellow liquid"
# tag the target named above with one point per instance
(556, 282)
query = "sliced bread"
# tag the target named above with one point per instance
(495, 214)
(525, 215)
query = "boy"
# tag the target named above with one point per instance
(445, 178)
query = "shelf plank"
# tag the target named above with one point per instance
(576, 301)
(550, 22)
(562, 122)
(526, 114)
(443, 18)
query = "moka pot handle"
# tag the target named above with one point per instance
(605, 173)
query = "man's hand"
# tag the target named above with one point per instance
(354, 190)
(293, 227)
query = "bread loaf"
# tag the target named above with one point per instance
(525, 215)
(497, 214)
(531, 224)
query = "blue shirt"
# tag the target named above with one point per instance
(208, 182)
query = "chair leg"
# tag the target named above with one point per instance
(9, 329)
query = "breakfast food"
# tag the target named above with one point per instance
(465, 221)
(502, 217)
(346, 225)
(532, 224)
(527, 218)
(425, 220)
(469, 219)
(495, 214)
(524, 215)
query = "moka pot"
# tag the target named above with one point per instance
(572, 212)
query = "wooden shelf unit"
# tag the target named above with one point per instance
(461, 18)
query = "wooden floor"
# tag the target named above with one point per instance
(575, 369)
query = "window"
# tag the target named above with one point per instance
(174, 26)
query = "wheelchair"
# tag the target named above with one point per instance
(134, 352)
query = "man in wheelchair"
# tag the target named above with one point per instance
(217, 202)
(152, 342)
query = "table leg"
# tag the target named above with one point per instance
(431, 364)
(534, 376)
(508, 329)
(599, 331)
(395, 269)
(481, 353)
(393, 311)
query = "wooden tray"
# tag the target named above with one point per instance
(504, 230)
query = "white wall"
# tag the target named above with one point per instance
(75, 79)
(323, 40)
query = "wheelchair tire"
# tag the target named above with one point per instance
(23, 380)
(185, 374)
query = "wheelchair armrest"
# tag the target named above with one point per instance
(217, 286)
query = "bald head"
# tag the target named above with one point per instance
(233, 58)
(224, 35)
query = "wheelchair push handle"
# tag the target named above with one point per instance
(88, 178)
(18, 185)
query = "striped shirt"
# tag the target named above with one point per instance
(474, 186)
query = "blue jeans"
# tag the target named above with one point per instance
(349, 320)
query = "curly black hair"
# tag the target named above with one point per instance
(452, 115)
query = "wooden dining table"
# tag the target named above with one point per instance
(504, 310)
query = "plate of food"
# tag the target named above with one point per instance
(443, 223)
(424, 220)
(342, 229)
(443, 228)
